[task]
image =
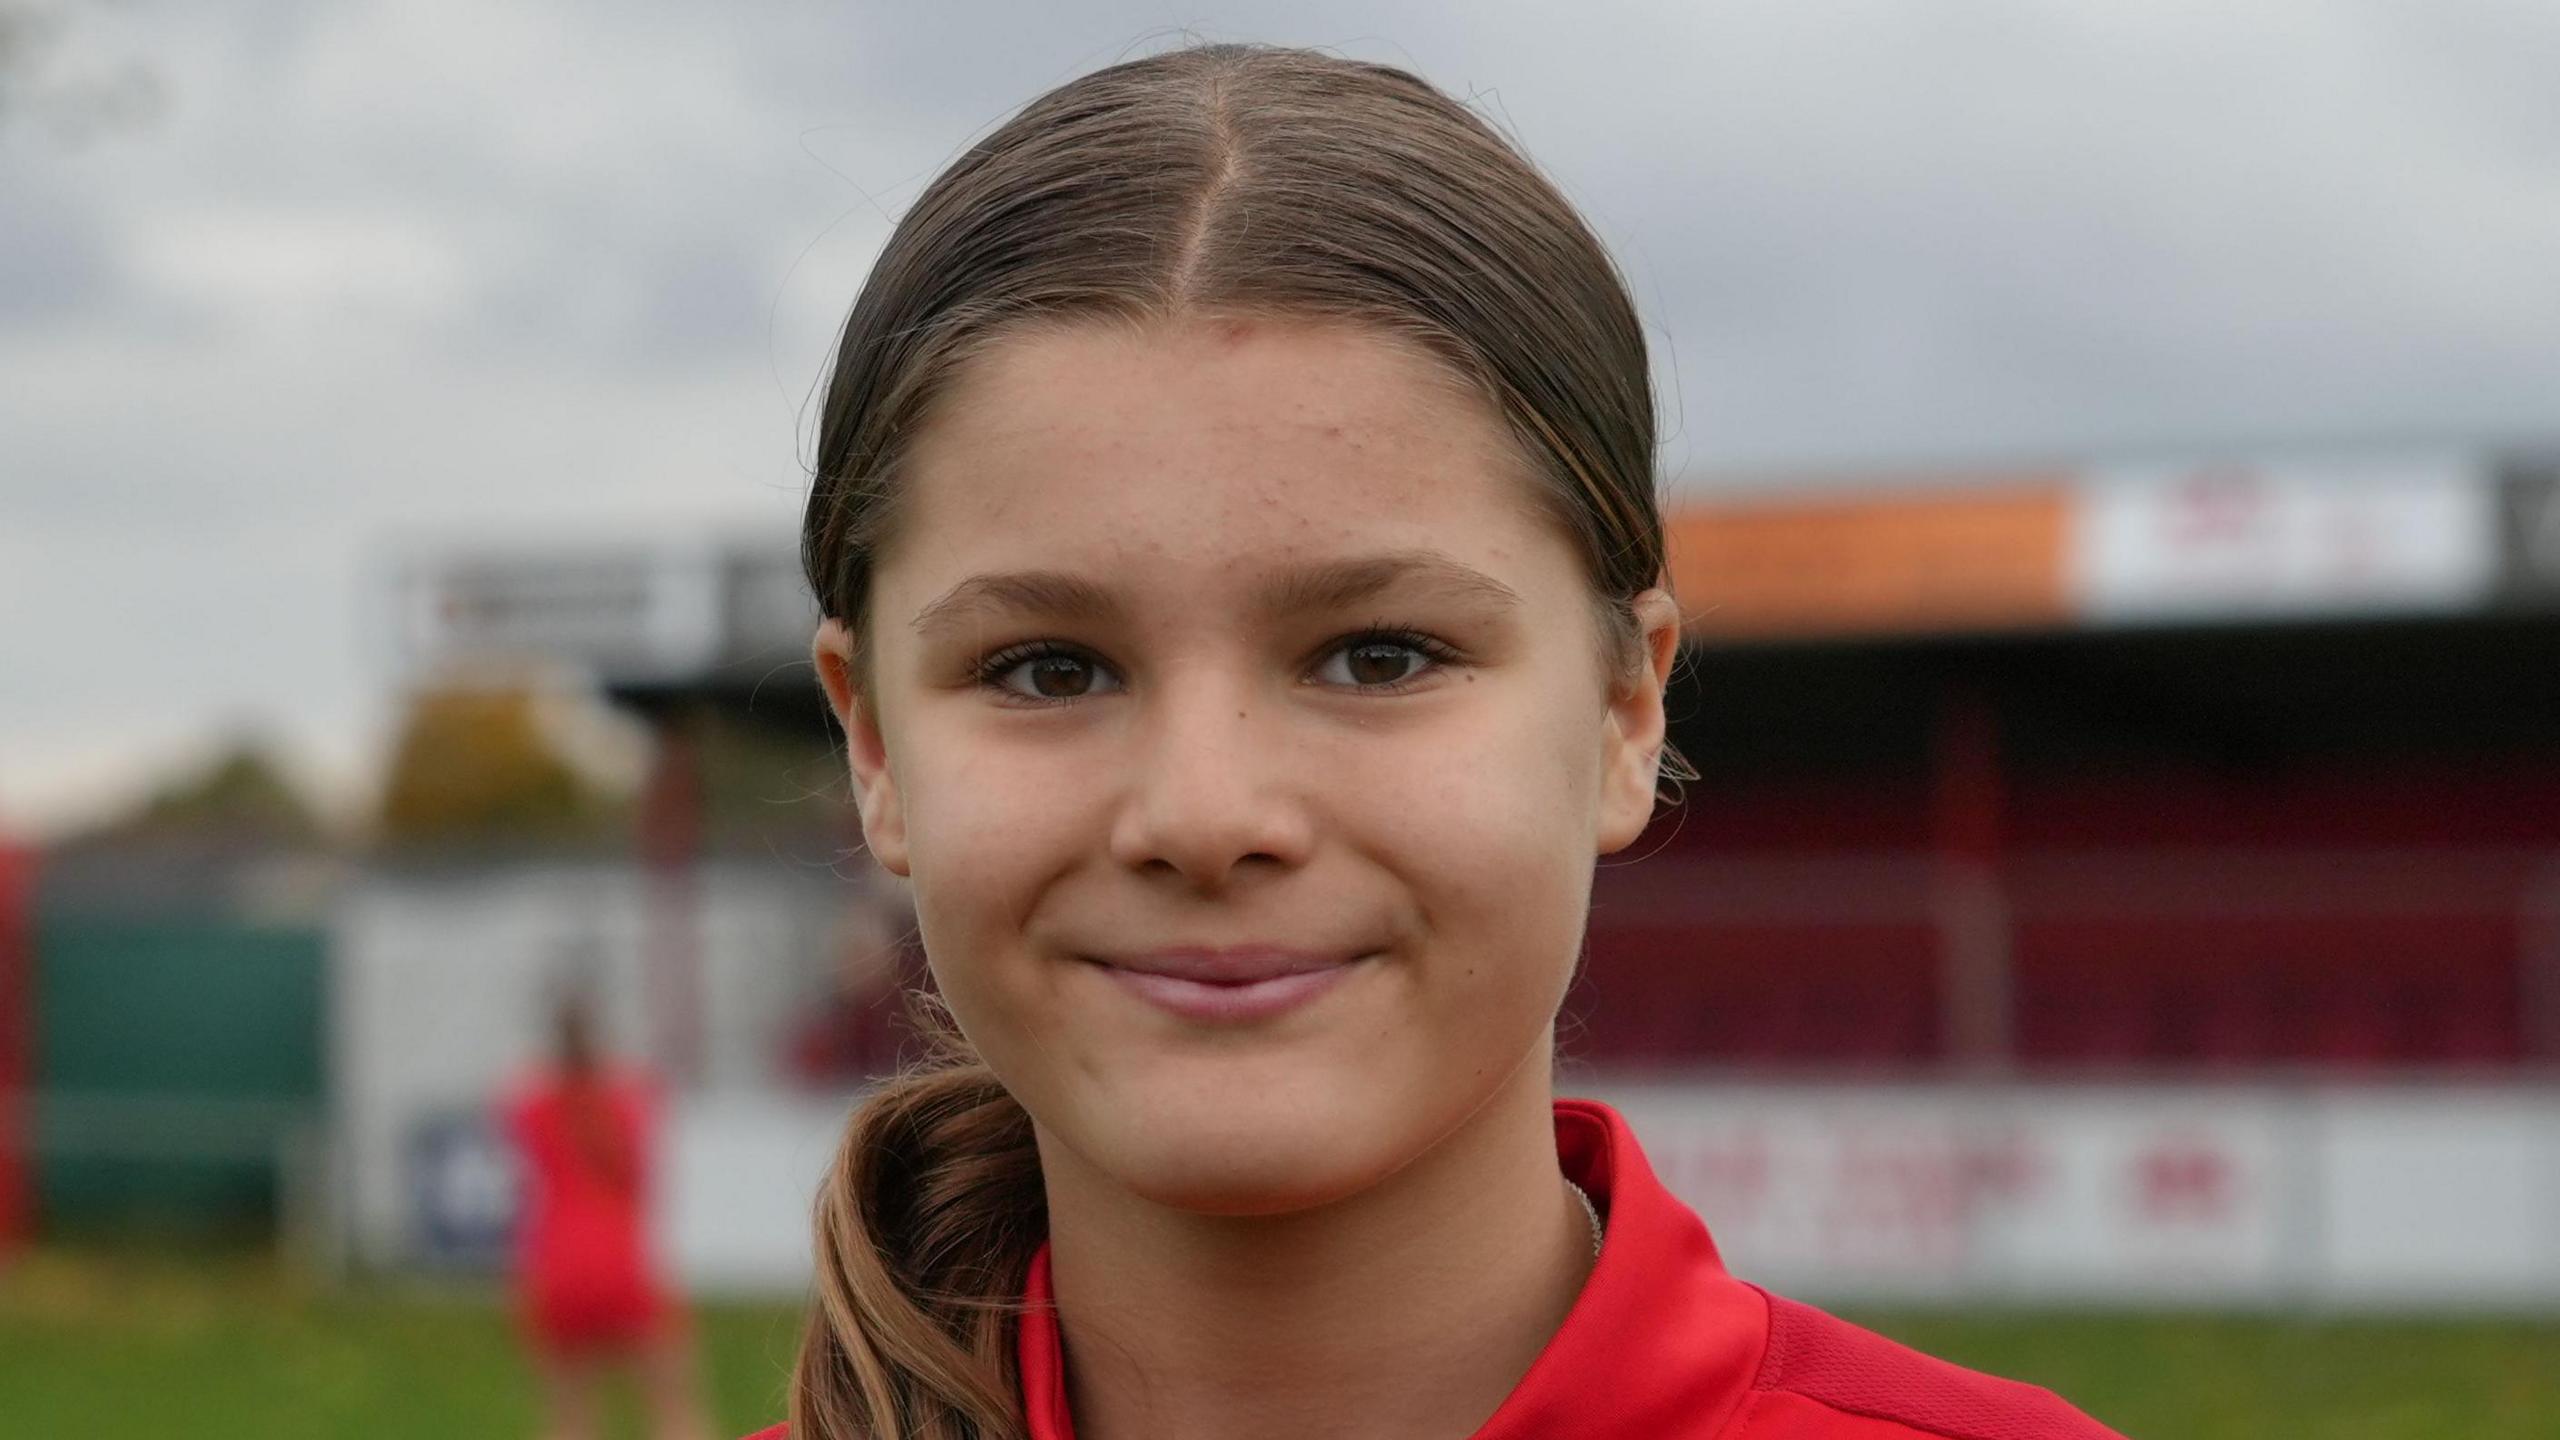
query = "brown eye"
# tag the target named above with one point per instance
(1044, 674)
(1383, 660)
(1059, 677)
(1380, 664)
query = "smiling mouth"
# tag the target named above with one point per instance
(1233, 1001)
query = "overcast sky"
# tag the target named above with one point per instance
(370, 271)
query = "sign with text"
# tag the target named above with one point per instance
(2379, 534)
(635, 615)
(1924, 1195)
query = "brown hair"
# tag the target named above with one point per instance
(1222, 179)
(599, 1136)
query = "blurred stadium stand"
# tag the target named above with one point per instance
(2114, 882)
(2233, 765)
(2242, 762)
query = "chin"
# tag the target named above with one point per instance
(1263, 1183)
(1282, 1156)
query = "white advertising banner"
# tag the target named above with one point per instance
(440, 992)
(1932, 1194)
(2425, 1197)
(740, 1197)
(641, 614)
(734, 1202)
(2442, 1199)
(2375, 534)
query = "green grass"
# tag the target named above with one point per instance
(2210, 1377)
(98, 1345)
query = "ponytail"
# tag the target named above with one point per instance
(928, 1219)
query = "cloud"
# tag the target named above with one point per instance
(561, 266)
(53, 268)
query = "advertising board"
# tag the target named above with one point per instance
(2420, 1197)
(643, 614)
(1922, 1195)
(2244, 539)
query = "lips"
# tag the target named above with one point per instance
(1229, 986)
(1228, 965)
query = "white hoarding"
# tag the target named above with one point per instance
(2434, 1198)
(2260, 1196)
(2443, 1199)
(440, 991)
(2023, 1194)
(639, 615)
(2376, 534)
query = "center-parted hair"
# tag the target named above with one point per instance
(1228, 181)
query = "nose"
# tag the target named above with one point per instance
(1212, 790)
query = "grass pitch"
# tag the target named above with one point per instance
(116, 1346)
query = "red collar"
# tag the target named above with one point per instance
(1661, 1343)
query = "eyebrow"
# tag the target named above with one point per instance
(1329, 585)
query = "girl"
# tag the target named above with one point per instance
(1236, 527)
(587, 1287)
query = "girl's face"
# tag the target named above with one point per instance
(1221, 634)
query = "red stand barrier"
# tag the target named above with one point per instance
(17, 1047)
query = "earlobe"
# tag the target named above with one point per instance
(875, 785)
(1637, 726)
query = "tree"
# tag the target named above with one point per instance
(241, 795)
(474, 763)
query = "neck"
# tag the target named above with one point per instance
(1409, 1310)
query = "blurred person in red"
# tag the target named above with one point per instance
(588, 1288)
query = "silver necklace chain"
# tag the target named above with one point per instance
(1591, 1210)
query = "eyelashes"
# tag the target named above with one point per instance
(1436, 653)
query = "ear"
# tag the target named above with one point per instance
(875, 788)
(1631, 752)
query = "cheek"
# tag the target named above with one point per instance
(1493, 828)
(990, 827)
(985, 802)
(1519, 773)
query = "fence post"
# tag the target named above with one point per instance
(1970, 900)
(670, 838)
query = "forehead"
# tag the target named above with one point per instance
(1208, 444)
